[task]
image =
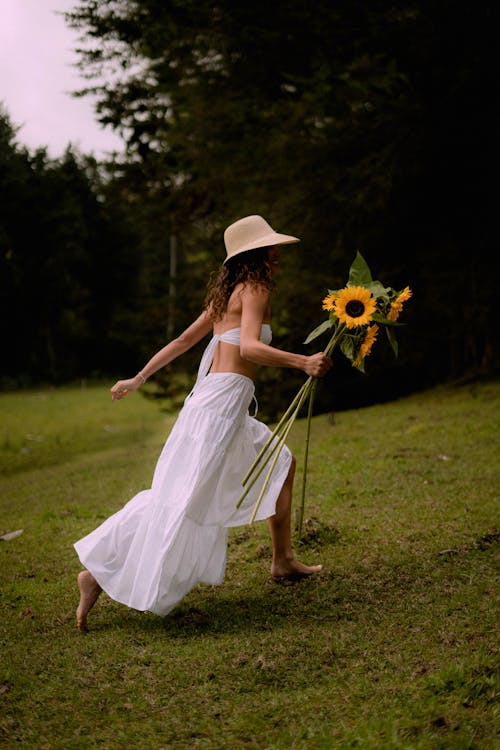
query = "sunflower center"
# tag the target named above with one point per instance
(355, 308)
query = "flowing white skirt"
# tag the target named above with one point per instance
(150, 553)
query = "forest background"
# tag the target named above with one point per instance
(353, 125)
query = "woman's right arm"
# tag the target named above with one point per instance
(254, 305)
(196, 331)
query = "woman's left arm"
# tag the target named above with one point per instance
(187, 339)
(194, 333)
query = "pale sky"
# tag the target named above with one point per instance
(37, 77)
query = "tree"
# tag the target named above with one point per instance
(68, 260)
(353, 125)
(358, 126)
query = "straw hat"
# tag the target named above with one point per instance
(252, 232)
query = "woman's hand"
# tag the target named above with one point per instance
(317, 365)
(122, 387)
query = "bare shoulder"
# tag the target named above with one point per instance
(245, 294)
(254, 292)
(255, 301)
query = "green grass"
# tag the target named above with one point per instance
(392, 647)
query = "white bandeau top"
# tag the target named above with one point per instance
(232, 336)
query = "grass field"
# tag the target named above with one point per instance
(392, 647)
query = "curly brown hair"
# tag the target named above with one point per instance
(250, 267)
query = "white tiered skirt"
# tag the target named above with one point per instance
(167, 539)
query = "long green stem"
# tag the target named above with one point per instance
(257, 470)
(306, 456)
(268, 477)
(328, 350)
(280, 433)
(281, 445)
(278, 445)
(276, 430)
(334, 339)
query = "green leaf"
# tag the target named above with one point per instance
(359, 272)
(378, 290)
(347, 347)
(379, 318)
(324, 326)
(392, 340)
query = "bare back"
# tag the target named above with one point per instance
(227, 356)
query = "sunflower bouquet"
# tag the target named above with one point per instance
(356, 314)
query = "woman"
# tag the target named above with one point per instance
(174, 535)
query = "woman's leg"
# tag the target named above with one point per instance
(284, 563)
(89, 593)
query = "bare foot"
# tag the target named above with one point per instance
(293, 570)
(89, 592)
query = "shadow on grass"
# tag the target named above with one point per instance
(241, 612)
(215, 610)
(372, 591)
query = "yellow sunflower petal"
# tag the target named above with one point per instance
(366, 346)
(397, 304)
(393, 313)
(354, 306)
(328, 302)
(405, 294)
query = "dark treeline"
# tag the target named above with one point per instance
(356, 126)
(68, 267)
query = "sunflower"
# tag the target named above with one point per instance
(354, 306)
(397, 304)
(366, 346)
(329, 301)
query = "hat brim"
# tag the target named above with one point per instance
(268, 240)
